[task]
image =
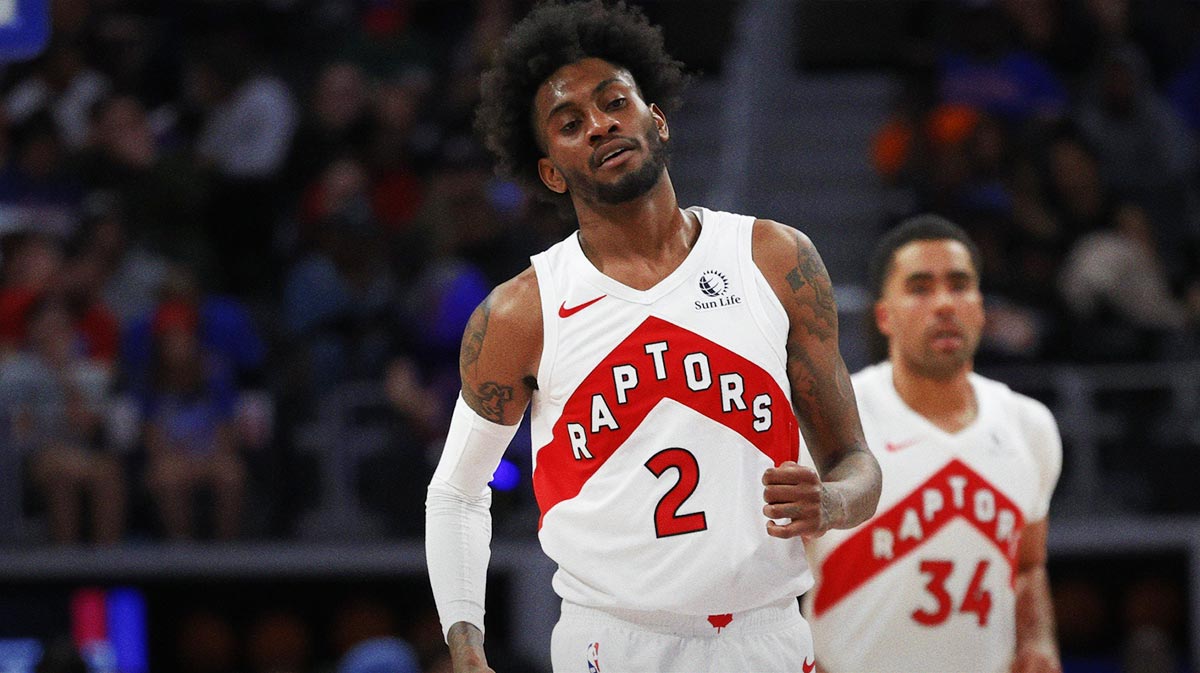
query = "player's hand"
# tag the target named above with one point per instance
(1036, 658)
(466, 649)
(797, 502)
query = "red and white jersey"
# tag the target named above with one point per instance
(927, 583)
(656, 414)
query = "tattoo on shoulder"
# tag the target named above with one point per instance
(488, 399)
(810, 272)
(474, 334)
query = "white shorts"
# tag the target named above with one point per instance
(771, 639)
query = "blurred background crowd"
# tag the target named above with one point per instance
(239, 242)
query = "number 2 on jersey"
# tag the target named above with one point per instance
(978, 600)
(667, 519)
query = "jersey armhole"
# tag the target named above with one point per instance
(769, 315)
(1040, 430)
(545, 281)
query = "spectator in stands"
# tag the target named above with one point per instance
(38, 188)
(397, 187)
(1061, 33)
(1144, 150)
(226, 329)
(337, 307)
(985, 71)
(82, 283)
(159, 194)
(390, 481)
(1074, 191)
(31, 263)
(129, 275)
(249, 114)
(189, 433)
(37, 268)
(55, 399)
(1117, 290)
(249, 118)
(336, 121)
(63, 85)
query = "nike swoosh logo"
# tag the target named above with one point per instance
(809, 666)
(893, 447)
(564, 312)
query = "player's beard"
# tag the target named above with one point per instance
(941, 366)
(640, 181)
(628, 187)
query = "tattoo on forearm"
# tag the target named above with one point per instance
(489, 399)
(810, 272)
(473, 337)
(803, 375)
(808, 374)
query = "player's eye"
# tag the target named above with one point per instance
(570, 126)
(616, 103)
(962, 283)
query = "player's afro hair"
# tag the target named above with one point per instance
(555, 34)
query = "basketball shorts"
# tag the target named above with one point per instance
(771, 639)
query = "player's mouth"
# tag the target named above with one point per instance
(947, 339)
(613, 153)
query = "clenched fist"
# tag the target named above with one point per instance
(795, 492)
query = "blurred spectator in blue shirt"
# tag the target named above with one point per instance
(987, 72)
(189, 427)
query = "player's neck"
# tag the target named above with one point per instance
(639, 242)
(949, 403)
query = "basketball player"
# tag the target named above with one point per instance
(949, 575)
(672, 357)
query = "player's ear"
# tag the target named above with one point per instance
(551, 177)
(883, 319)
(660, 122)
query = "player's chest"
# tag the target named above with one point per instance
(974, 475)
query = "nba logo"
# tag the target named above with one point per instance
(593, 658)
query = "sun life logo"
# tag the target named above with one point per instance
(715, 286)
(713, 283)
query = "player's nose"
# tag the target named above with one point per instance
(600, 125)
(943, 300)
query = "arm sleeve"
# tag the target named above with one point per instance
(458, 520)
(1046, 445)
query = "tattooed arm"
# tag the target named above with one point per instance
(500, 351)
(498, 363)
(844, 490)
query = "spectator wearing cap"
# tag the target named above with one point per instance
(189, 432)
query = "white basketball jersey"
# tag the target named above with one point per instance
(655, 416)
(927, 583)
